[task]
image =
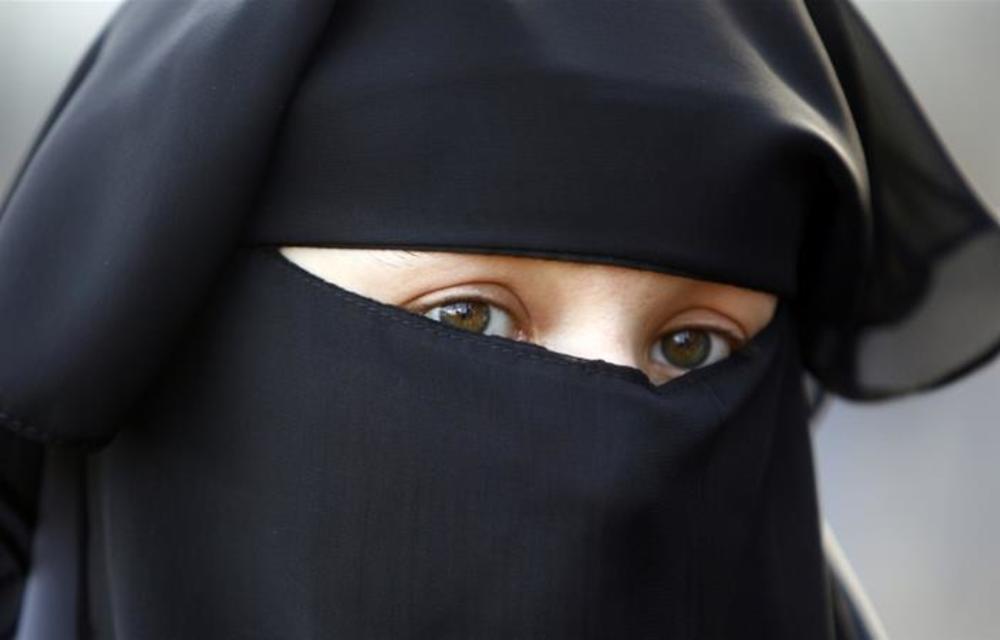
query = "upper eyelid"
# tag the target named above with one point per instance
(740, 335)
(735, 341)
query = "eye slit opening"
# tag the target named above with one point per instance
(402, 313)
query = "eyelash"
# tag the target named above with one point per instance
(732, 340)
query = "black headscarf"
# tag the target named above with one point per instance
(295, 460)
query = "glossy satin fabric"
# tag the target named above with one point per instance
(270, 457)
(316, 464)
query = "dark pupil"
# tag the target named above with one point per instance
(688, 348)
(469, 315)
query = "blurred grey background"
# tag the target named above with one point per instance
(909, 487)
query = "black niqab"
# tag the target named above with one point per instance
(273, 456)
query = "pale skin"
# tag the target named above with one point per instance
(661, 324)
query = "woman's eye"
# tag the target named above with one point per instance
(474, 315)
(691, 348)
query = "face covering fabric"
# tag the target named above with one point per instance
(333, 466)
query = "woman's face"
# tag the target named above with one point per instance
(661, 324)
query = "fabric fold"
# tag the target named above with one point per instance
(132, 200)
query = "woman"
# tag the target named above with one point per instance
(285, 439)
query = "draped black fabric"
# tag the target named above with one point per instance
(335, 467)
(930, 263)
(20, 477)
(272, 456)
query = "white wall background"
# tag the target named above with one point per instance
(910, 487)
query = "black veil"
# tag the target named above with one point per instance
(149, 167)
(769, 145)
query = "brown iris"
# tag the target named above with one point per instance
(466, 314)
(687, 348)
